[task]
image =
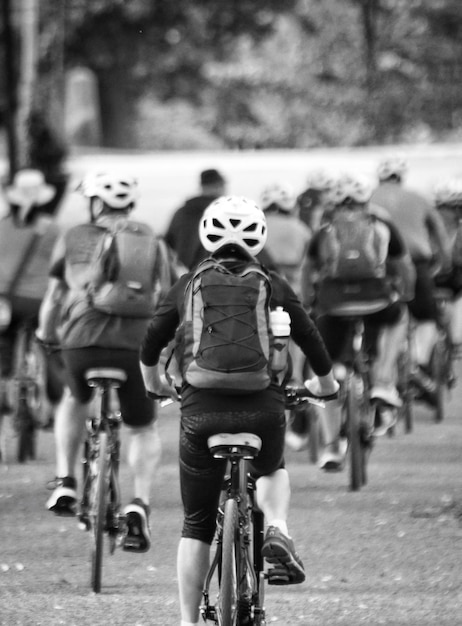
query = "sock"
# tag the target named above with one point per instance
(281, 525)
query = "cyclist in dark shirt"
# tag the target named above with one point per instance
(234, 230)
(182, 233)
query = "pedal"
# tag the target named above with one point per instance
(278, 576)
(84, 523)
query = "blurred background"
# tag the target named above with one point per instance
(89, 77)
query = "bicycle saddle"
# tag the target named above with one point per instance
(224, 445)
(106, 373)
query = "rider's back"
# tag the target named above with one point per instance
(410, 212)
(287, 244)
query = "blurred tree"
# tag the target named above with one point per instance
(259, 73)
(141, 46)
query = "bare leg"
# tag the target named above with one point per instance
(69, 431)
(192, 565)
(273, 497)
(144, 454)
(390, 343)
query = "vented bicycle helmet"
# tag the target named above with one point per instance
(320, 180)
(392, 167)
(349, 189)
(449, 193)
(117, 192)
(281, 195)
(233, 220)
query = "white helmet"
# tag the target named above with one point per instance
(320, 180)
(449, 193)
(117, 192)
(350, 189)
(392, 166)
(280, 194)
(233, 220)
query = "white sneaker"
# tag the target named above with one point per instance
(387, 420)
(296, 442)
(389, 395)
(334, 455)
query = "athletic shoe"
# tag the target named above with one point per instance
(138, 535)
(279, 551)
(425, 386)
(388, 419)
(296, 442)
(334, 456)
(63, 500)
(388, 395)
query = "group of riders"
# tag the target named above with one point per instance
(418, 246)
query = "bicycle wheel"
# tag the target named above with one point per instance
(257, 534)
(406, 412)
(228, 600)
(439, 372)
(354, 434)
(99, 495)
(25, 394)
(26, 432)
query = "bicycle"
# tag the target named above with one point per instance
(405, 384)
(360, 416)
(100, 506)
(238, 566)
(441, 360)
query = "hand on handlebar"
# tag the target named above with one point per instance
(323, 386)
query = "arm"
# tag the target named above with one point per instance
(439, 238)
(160, 332)
(306, 335)
(50, 311)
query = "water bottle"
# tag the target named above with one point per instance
(280, 327)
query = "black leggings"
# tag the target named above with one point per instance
(201, 475)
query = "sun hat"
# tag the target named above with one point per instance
(29, 188)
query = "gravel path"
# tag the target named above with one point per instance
(389, 554)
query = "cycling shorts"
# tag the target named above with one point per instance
(136, 408)
(423, 306)
(336, 330)
(201, 475)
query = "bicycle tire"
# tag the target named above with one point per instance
(26, 432)
(228, 600)
(99, 493)
(439, 368)
(355, 446)
(314, 435)
(406, 411)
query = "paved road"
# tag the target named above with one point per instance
(389, 554)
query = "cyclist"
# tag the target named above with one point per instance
(423, 232)
(181, 235)
(287, 243)
(27, 233)
(448, 202)
(385, 316)
(312, 201)
(233, 229)
(89, 338)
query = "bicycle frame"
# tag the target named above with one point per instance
(100, 507)
(358, 415)
(237, 560)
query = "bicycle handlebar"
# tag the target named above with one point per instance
(293, 396)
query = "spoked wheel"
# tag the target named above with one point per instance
(26, 394)
(439, 372)
(406, 412)
(100, 491)
(355, 434)
(228, 601)
(26, 432)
